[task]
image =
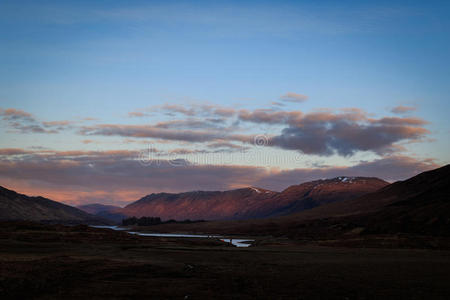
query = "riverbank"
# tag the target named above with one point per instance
(235, 241)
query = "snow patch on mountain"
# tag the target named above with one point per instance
(256, 190)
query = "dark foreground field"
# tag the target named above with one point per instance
(56, 262)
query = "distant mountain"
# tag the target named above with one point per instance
(427, 188)
(247, 203)
(207, 205)
(109, 212)
(15, 206)
(95, 208)
(238, 204)
(311, 194)
(417, 206)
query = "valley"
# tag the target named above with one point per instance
(392, 243)
(54, 261)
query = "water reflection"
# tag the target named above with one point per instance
(235, 242)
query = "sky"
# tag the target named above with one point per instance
(108, 101)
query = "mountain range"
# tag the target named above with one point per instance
(419, 204)
(239, 204)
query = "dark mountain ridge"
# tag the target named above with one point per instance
(95, 208)
(109, 212)
(15, 206)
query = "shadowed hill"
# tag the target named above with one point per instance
(109, 212)
(419, 205)
(96, 208)
(15, 206)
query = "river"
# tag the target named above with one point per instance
(235, 242)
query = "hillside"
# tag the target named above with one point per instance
(425, 189)
(316, 193)
(419, 205)
(233, 204)
(96, 208)
(109, 212)
(15, 206)
(251, 203)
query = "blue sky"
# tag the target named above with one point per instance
(71, 60)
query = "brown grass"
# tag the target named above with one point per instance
(56, 262)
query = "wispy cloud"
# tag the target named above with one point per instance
(24, 122)
(11, 114)
(270, 116)
(294, 97)
(325, 133)
(144, 131)
(138, 114)
(401, 109)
